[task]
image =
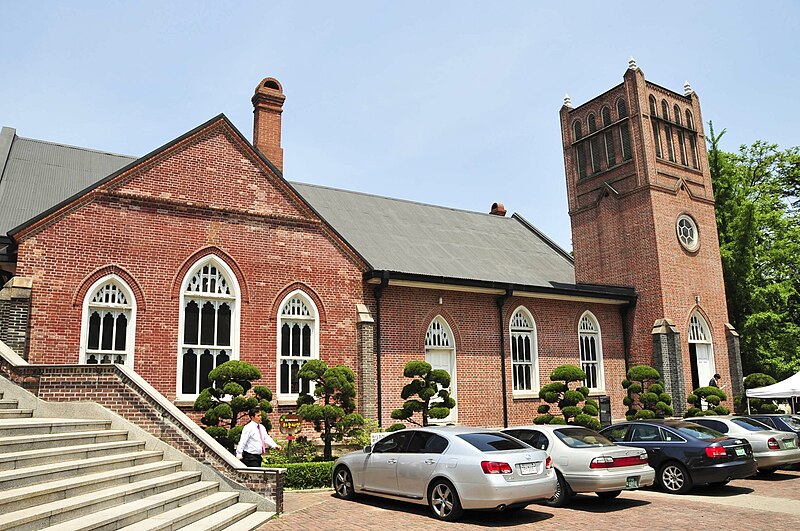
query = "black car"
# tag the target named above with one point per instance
(685, 454)
(779, 421)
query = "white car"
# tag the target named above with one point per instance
(586, 461)
(772, 449)
(450, 469)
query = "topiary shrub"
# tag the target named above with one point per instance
(308, 475)
(646, 393)
(568, 400)
(757, 405)
(712, 396)
(226, 401)
(430, 386)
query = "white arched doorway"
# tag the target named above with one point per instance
(440, 352)
(701, 351)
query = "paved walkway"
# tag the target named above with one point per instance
(768, 502)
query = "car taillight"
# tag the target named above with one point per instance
(716, 451)
(772, 444)
(495, 467)
(609, 462)
(549, 463)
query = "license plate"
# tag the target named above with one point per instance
(632, 482)
(740, 450)
(527, 468)
(789, 443)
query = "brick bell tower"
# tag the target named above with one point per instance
(642, 211)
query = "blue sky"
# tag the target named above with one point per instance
(448, 103)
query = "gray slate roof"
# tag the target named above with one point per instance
(392, 235)
(407, 237)
(37, 175)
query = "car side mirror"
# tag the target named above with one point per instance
(368, 449)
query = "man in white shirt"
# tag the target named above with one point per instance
(254, 441)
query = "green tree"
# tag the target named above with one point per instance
(335, 418)
(226, 401)
(568, 400)
(426, 393)
(757, 405)
(646, 397)
(757, 209)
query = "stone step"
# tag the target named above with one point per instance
(15, 413)
(20, 443)
(135, 511)
(8, 403)
(191, 515)
(68, 453)
(92, 503)
(251, 522)
(24, 497)
(22, 477)
(38, 425)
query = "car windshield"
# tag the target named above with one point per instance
(699, 432)
(582, 438)
(750, 424)
(492, 442)
(793, 421)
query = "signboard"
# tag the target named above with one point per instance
(290, 424)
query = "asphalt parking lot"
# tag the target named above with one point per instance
(764, 502)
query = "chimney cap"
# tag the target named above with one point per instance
(498, 209)
(269, 83)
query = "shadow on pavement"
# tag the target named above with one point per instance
(779, 475)
(592, 504)
(719, 492)
(529, 515)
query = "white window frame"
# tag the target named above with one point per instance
(313, 319)
(234, 299)
(444, 342)
(700, 333)
(514, 331)
(130, 332)
(588, 333)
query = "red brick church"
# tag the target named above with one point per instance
(202, 251)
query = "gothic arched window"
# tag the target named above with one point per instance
(108, 324)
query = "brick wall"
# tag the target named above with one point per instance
(406, 314)
(207, 193)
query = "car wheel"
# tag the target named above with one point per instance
(561, 496)
(674, 478)
(718, 483)
(609, 494)
(343, 483)
(443, 501)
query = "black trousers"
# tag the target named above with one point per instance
(251, 459)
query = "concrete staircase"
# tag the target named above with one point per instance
(75, 474)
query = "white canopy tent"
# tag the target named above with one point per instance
(788, 388)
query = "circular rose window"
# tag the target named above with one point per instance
(687, 233)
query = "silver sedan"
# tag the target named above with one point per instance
(772, 449)
(586, 461)
(449, 469)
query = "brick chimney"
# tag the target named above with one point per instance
(498, 209)
(267, 108)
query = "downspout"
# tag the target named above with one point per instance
(501, 301)
(378, 294)
(624, 313)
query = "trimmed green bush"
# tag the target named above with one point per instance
(308, 475)
(712, 395)
(645, 393)
(568, 400)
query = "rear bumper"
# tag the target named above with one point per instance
(499, 492)
(724, 472)
(606, 480)
(776, 458)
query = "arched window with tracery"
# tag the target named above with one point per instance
(580, 148)
(209, 323)
(524, 353)
(701, 351)
(624, 130)
(591, 351)
(108, 324)
(298, 342)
